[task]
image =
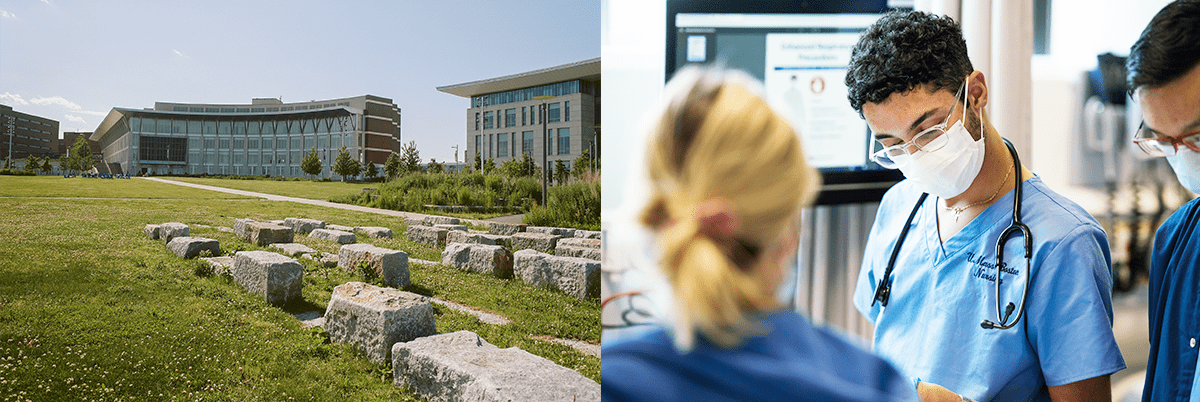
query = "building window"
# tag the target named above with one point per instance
(510, 117)
(196, 109)
(567, 111)
(527, 142)
(243, 110)
(564, 141)
(224, 142)
(487, 120)
(478, 148)
(503, 142)
(552, 113)
(226, 110)
(523, 116)
(239, 143)
(252, 143)
(476, 121)
(193, 127)
(210, 143)
(268, 143)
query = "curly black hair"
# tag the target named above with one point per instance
(905, 49)
(1167, 49)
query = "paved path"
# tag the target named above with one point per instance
(319, 203)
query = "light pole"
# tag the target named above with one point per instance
(545, 146)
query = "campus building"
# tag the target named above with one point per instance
(507, 113)
(68, 139)
(265, 137)
(24, 134)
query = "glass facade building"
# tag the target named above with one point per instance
(266, 137)
(559, 114)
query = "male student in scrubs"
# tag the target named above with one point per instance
(1164, 77)
(911, 80)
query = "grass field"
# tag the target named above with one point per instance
(57, 186)
(90, 309)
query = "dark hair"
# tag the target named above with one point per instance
(1168, 48)
(905, 49)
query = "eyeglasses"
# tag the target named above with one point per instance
(1154, 145)
(928, 140)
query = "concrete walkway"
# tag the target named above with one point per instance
(319, 203)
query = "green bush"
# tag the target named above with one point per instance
(574, 206)
(15, 172)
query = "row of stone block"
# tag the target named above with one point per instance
(579, 277)
(440, 235)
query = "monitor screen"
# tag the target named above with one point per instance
(800, 52)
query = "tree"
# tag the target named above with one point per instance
(8, 163)
(372, 172)
(46, 167)
(561, 173)
(489, 166)
(478, 162)
(32, 164)
(410, 161)
(346, 166)
(392, 166)
(80, 155)
(585, 165)
(311, 164)
(435, 166)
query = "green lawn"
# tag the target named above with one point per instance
(92, 309)
(58, 186)
(299, 189)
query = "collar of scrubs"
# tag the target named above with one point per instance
(999, 213)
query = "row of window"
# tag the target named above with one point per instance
(198, 109)
(499, 146)
(301, 126)
(12, 126)
(31, 138)
(35, 122)
(553, 115)
(524, 94)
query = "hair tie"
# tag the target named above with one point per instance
(718, 219)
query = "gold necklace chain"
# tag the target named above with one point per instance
(959, 210)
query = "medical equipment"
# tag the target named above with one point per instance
(884, 289)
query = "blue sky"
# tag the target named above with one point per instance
(74, 60)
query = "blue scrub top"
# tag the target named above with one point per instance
(941, 292)
(1175, 309)
(793, 361)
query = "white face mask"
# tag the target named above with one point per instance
(948, 171)
(1187, 168)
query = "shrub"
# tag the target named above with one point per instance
(575, 206)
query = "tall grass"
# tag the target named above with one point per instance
(573, 205)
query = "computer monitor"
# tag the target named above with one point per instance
(799, 50)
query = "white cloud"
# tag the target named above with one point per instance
(13, 99)
(55, 100)
(179, 53)
(46, 1)
(92, 113)
(6, 14)
(75, 119)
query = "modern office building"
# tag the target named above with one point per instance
(507, 114)
(23, 134)
(265, 137)
(68, 139)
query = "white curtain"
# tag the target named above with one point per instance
(999, 36)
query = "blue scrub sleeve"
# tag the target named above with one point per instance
(1069, 316)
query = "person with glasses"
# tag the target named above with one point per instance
(911, 80)
(728, 178)
(1164, 79)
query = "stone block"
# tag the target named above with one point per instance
(373, 319)
(326, 260)
(427, 235)
(460, 228)
(440, 220)
(264, 233)
(239, 227)
(414, 222)
(461, 366)
(391, 265)
(151, 231)
(534, 241)
(341, 228)
(579, 277)
(293, 249)
(476, 238)
(495, 260)
(579, 252)
(564, 232)
(190, 247)
(303, 225)
(275, 277)
(587, 234)
(579, 242)
(506, 229)
(280, 222)
(374, 231)
(333, 235)
(171, 230)
(220, 265)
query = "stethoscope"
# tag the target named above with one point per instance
(883, 291)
